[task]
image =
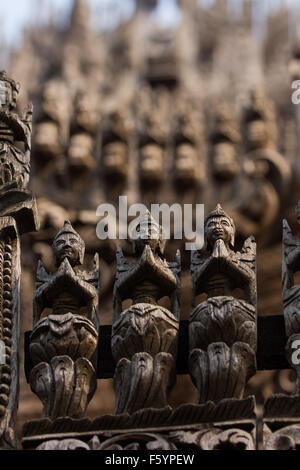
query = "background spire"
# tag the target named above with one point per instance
(80, 17)
(146, 5)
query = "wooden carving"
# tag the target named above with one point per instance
(65, 333)
(291, 291)
(223, 328)
(208, 438)
(81, 158)
(17, 215)
(52, 127)
(264, 181)
(189, 161)
(115, 149)
(152, 146)
(144, 337)
(224, 138)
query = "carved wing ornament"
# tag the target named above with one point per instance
(65, 279)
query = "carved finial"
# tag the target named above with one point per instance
(80, 18)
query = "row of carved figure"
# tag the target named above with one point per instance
(52, 137)
(144, 340)
(222, 344)
(263, 182)
(145, 335)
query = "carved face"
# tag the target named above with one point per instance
(225, 160)
(186, 160)
(81, 150)
(152, 157)
(7, 96)
(115, 158)
(70, 247)
(149, 234)
(257, 133)
(47, 138)
(50, 92)
(219, 228)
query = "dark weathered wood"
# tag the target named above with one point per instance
(270, 349)
(144, 337)
(18, 215)
(63, 344)
(223, 327)
(271, 343)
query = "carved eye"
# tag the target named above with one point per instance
(224, 222)
(73, 241)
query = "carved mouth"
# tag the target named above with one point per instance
(68, 252)
(219, 233)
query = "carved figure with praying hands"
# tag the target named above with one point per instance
(290, 290)
(144, 337)
(63, 342)
(223, 328)
(15, 138)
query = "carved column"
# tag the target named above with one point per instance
(144, 336)
(291, 293)
(223, 328)
(65, 330)
(18, 215)
(282, 412)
